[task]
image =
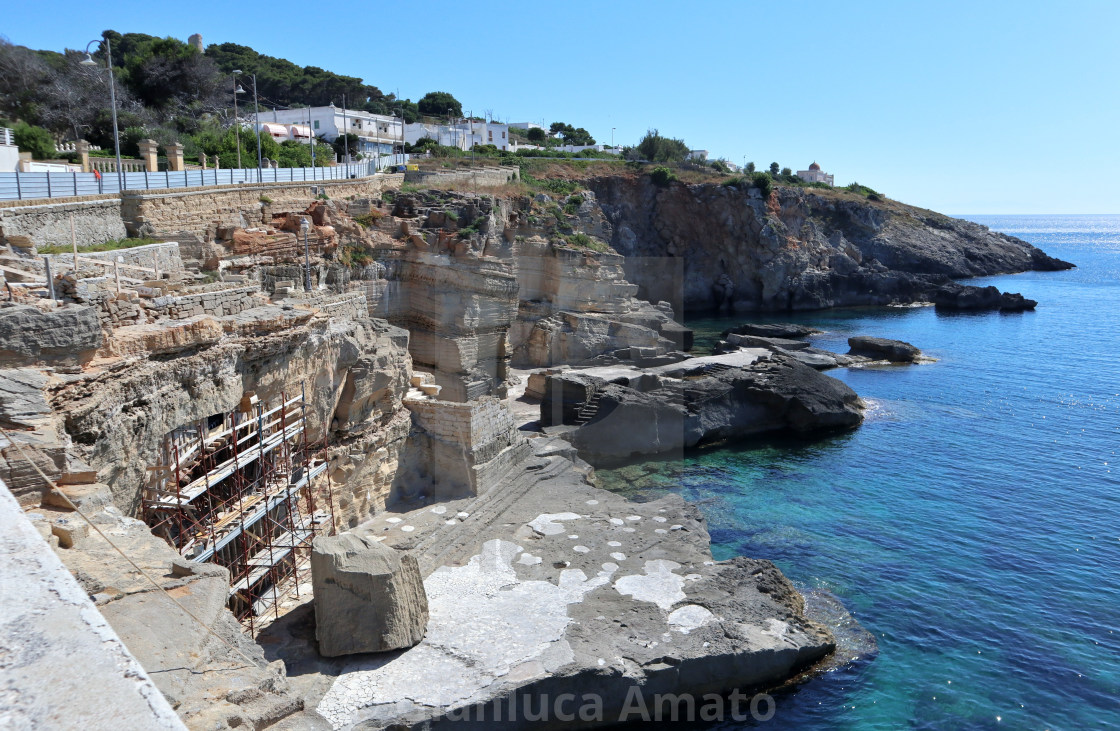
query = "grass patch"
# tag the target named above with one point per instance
(410, 188)
(583, 241)
(353, 255)
(467, 232)
(368, 219)
(110, 245)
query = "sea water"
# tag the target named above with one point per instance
(972, 523)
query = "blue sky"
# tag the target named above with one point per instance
(963, 107)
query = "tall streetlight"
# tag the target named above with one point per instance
(237, 120)
(612, 136)
(257, 124)
(345, 136)
(112, 102)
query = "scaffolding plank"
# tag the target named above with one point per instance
(261, 510)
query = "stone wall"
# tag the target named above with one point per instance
(165, 255)
(481, 177)
(197, 210)
(219, 302)
(96, 220)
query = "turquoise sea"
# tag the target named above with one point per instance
(972, 523)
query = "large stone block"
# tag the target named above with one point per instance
(368, 596)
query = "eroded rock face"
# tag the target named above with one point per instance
(368, 596)
(63, 336)
(799, 249)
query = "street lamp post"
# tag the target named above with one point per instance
(112, 102)
(237, 120)
(305, 226)
(257, 124)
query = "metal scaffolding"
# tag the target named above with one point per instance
(240, 490)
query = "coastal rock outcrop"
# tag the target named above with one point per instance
(684, 406)
(725, 246)
(368, 596)
(896, 351)
(964, 297)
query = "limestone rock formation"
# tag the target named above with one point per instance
(896, 351)
(368, 596)
(665, 414)
(787, 330)
(59, 336)
(727, 247)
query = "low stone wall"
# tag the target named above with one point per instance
(218, 303)
(196, 210)
(483, 177)
(165, 255)
(96, 220)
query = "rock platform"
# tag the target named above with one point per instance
(549, 585)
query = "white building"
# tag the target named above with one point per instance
(814, 175)
(9, 153)
(700, 155)
(378, 134)
(464, 134)
(525, 125)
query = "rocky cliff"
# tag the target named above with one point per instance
(713, 246)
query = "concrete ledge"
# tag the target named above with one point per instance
(64, 666)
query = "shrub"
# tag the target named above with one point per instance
(265, 199)
(662, 176)
(367, 220)
(583, 241)
(36, 140)
(737, 182)
(763, 182)
(452, 215)
(656, 148)
(468, 231)
(353, 255)
(720, 166)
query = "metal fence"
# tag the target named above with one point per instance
(26, 186)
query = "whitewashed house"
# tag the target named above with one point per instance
(378, 134)
(464, 134)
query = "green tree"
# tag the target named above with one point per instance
(786, 172)
(750, 167)
(348, 141)
(36, 140)
(656, 148)
(774, 169)
(536, 135)
(720, 166)
(439, 104)
(763, 182)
